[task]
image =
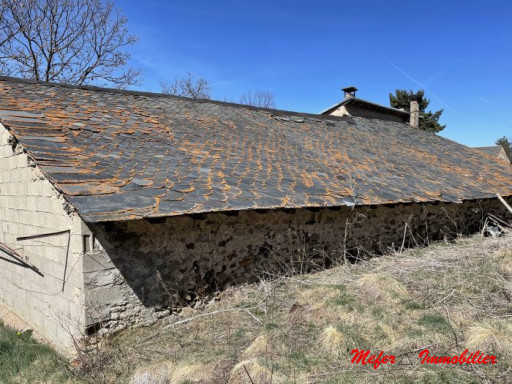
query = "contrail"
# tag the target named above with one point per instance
(422, 86)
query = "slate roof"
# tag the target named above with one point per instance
(119, 155)
(368, 105)
(493, 150)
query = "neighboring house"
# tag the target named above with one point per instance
(117, 206)
(495, 151)
(353, 106)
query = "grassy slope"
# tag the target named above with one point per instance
(24, 360)
(301, 329)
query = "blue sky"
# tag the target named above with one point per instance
(459, 52)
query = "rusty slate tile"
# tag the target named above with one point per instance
(142, 182)
(117, 155)
(174, 196)
(114, 203)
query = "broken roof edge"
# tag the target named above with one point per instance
(135, 217)
(47, 177)
(94, 88)
(399, 112)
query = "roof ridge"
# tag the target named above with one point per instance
(163, 95)
(364, 101)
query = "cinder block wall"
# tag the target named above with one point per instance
(51, 301)
(142, 266)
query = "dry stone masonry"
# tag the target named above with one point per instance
(144, 268)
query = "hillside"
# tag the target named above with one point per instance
(446, 298)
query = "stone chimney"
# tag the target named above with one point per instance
(414, 113)
(349, 92)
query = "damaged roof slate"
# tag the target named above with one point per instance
(119, 155)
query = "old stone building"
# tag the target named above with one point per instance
(116, 206)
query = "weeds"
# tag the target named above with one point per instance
(301, 329)
(24, 360)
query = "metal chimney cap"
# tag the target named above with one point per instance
(349, 89)
(349, 92)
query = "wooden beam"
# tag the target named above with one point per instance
(504, 202)
(15, 255)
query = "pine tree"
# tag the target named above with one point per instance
(429, 121)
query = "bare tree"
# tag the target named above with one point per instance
(67, 41)
(188, 86)
(261, 99)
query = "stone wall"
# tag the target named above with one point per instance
(144, 267)
(50, 298)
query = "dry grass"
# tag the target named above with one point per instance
(379, 288)
(332, 341)
(505, 261)
(491, 336)
(301, 329)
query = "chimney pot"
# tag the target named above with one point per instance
(349, 92)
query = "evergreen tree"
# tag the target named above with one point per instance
(507, 146)
(429, 121)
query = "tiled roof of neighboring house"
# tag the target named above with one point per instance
(495, 151)
(492, 150)
(368, 105)
(119, 155)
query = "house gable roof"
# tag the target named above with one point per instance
(119, 155)
(493, 150)
(367, 105)
(496, 151)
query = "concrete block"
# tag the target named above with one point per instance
(55, 254)
(30, 202)
(96, 262)
(33, 189)
(105, 296)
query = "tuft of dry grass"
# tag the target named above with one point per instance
(192, 373)
(259, 347)
(380, 288)
(491, 336)
(253, 371)
(332, 341)
(505, 261)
